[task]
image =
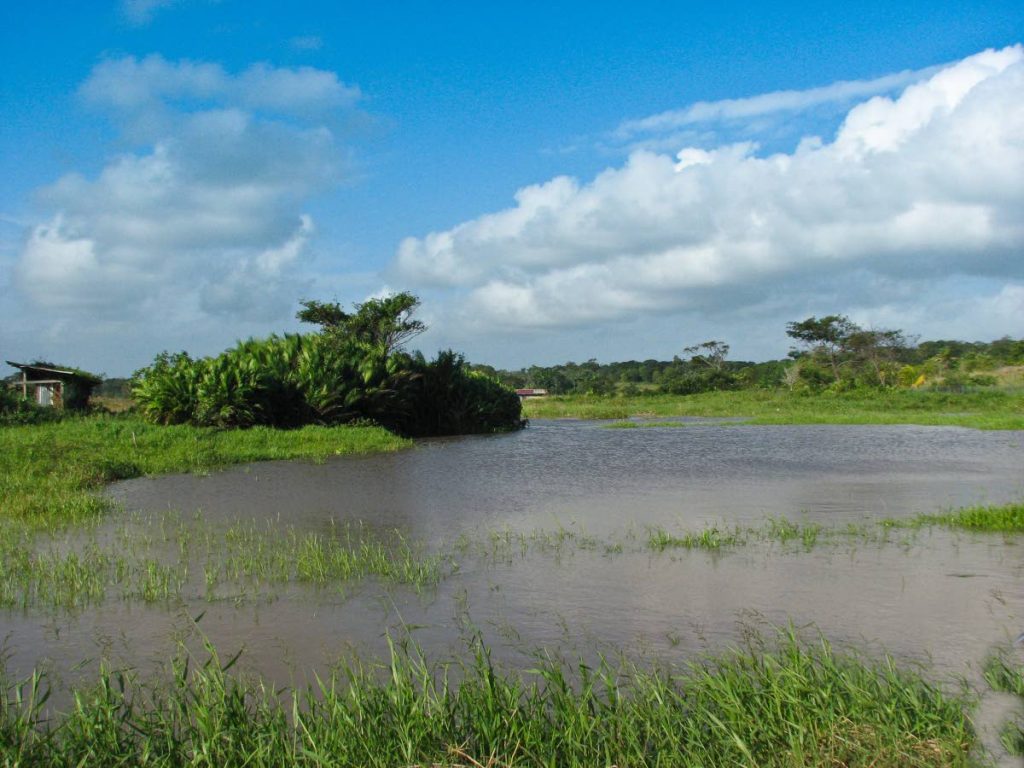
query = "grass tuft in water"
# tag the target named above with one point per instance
(712, 538)
(780, 706)
(1004, 518)
(1011, 736)
(1002, 673)
(715, 537)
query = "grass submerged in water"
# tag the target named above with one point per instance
(170, 559)
(1004, 674)
(783, 704)
(1002, 518)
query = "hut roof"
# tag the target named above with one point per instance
(48, 369)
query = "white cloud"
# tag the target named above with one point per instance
(843, 92)
(130, 84)
(918, 187)
(140, 12)
(205, 220)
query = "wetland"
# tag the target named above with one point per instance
(566, 541)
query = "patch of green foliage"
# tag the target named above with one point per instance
(14, 409)
(778, 705)
(352, 370)
(990, 409)
(49, 472)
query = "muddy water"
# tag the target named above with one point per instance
(563, 472)
(935, 596)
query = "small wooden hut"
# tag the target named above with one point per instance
(54, 387)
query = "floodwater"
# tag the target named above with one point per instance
(931, 595)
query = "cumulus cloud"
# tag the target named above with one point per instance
(206, 218)
(130, 84)
(914, 187)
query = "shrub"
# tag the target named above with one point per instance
(327, 379)
(15, 409)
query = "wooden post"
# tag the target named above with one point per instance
(24, 384)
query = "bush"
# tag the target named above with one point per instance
(444, 397)
(324, 379)
(15, 409)
(695, 382)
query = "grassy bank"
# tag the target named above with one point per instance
(49, 472)
(983, 409)
(787, 704)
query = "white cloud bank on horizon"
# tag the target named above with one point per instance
(911, 191)
(206, 219)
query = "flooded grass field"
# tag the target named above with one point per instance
(567, 539)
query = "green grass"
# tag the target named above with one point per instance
(1004, 518)
(49, 472)
(712, 538)
(775, 529)
(1004, 674)
(780, 705)
(986, 409)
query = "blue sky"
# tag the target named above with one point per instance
(179, 174)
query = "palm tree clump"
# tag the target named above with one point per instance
(352, 370)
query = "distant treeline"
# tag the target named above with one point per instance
(829, 353)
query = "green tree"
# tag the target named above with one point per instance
(380, 325)
(709, 354)
(876, 353)
(326, 315)
(824, 336)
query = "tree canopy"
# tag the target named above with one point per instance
(382, 325)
